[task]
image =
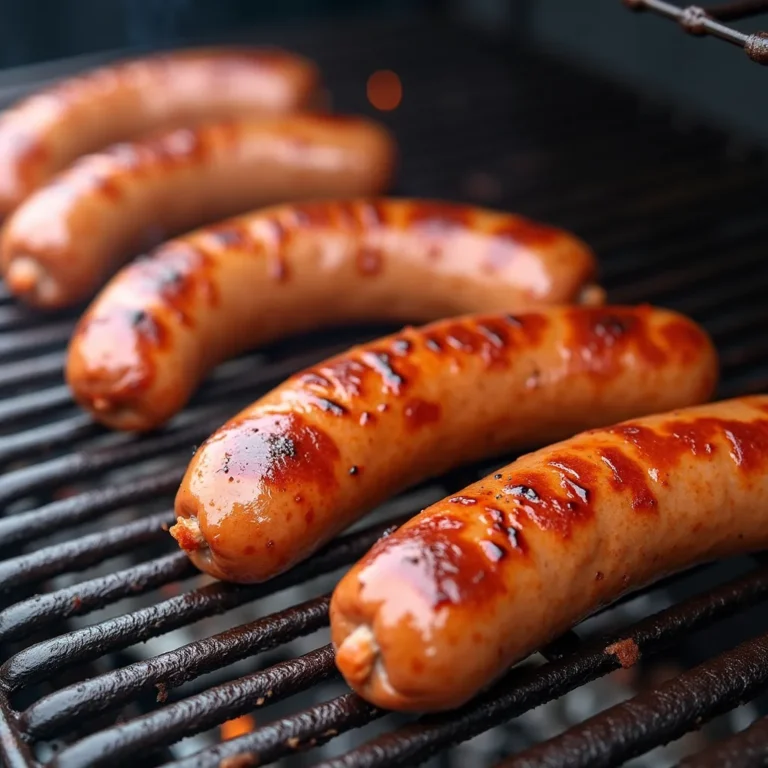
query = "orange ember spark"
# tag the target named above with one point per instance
(237, 727)
(384, 89)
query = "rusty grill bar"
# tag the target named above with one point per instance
(677, 215)
(709, 20)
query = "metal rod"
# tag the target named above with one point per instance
(700, 21)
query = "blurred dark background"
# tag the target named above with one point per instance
(710, 77)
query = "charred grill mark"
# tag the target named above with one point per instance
(502, 530)
(460, 338)
(344, 374)
(370, 214)
(522, 491)
(628, 474)
(178, 274)
(435, 559)
(148, 327)
(664, 446)
(315, 379)
(328, 405)
(231, 236)
(684, 339)
(283, 449)
(558, 496)
(603, 336)
(277, 235)
(401, 347)
(493, 335)
(381, 363)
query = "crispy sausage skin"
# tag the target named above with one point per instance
(45, 132)
(479, 580)
(162, 323)
(65, 240)
(305, 461)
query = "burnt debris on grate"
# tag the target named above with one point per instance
(115, 648)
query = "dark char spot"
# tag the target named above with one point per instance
(522, 490)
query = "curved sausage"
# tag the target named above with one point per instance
(478, 581)
(161, 324)
(308, 459)
(46, 131)
(65, 240)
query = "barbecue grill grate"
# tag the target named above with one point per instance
(677, 215)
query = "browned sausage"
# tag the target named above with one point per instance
(316, 453)
(479, 580)
(45, 132)
(161, 324)
(65, 240)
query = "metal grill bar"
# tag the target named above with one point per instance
(14, 409)
(748, 749)
(80, 553)
(657, 716)
(197, 713)
(34, 339)
(42, 368)
(128, 450)
(304, 730)
(173, 668)
(31, 442)
(42, 660)
(27, 616)
(25, 526)
(14, 752)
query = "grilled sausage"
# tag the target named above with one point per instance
(306, 460)
(162, 323)
(45, 132)
(479, 580)
(65, 239)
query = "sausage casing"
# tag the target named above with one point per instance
(70, 235)
(308, 459)
(479, 580)
(46, 131)
(161, 323)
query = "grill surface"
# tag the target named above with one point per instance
(677, 215)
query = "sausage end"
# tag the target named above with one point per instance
(188, 534)
(26, 277)
(357, 655)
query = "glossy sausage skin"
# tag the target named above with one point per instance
(162, 323)
(68, 237)
(45, 132)
(480, 580)
(311, 457)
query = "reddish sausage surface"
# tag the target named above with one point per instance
(479, 580)
(162, 323)
(70, 235)
(44, 133)
(308, 459)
